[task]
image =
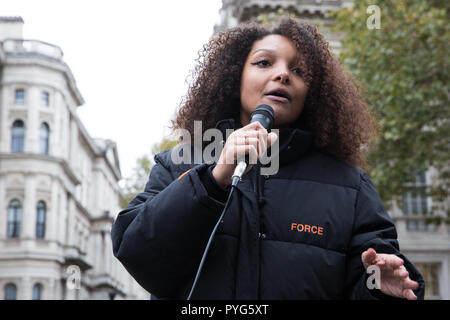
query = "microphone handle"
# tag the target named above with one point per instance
(266, 122)
(240, 169)
(238, 172)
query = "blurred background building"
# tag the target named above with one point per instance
(427, 245)
(58, 186)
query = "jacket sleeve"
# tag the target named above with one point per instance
(161, 235)
(373, 228)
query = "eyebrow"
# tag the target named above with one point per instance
(297, 58)
(269, 50)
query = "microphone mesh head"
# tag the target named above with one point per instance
(265, 110)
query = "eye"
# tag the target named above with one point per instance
(263, 63)
(298, 71)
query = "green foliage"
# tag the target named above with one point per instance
(404, 67)
(136, 182)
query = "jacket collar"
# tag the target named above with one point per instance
(293, 142)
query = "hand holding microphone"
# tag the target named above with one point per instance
(252, 140)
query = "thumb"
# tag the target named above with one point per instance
(368, 257)
(271, 138)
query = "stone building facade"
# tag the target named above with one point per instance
(426, 244)
(59, 187)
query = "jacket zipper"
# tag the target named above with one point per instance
(261, 235)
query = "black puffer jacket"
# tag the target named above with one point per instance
(298, 234)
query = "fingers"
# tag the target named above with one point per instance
(392, 261)
(254, 126)
(408, 285)
(271, 138)
(394, 275)
(409, 294)
(401, 272)
(251, 135)
(368, 257)
(239, 151)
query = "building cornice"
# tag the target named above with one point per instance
(245, 9)
(36, 58)
(41, 157)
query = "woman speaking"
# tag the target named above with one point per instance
(312, 229)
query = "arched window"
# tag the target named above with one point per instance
(41, 211)
(10, 291)
(37, 291)
(18, 136)
(44, 134)
(14, 218)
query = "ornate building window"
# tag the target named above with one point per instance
(415, 204)
(10, 291)
(17, 136)
(45, 98)
(19, 96)
(41, 211)
(14, 218)
(44, 138)
(430, 273)
(37, 291)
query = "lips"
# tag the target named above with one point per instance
(277, 98)
(278, 94)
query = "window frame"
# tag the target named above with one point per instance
(8, 286)
(39, 287)
(22, 100)
(44, 140)
(45, 98)
(18, 137)
(416, 203)
(14, 225)
(41, 211)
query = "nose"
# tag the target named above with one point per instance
(282, 76)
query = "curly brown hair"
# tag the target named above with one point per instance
(334, 111)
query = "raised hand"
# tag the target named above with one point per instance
(394, 277)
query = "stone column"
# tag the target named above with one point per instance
(444, 281)
(29, 208)
(50, 292)
(62, 217)
(3, 208)
(52, 211)
(32, 100)
(55, 144)
(5, 129)
(73, 159)
(24, 292)
(70, 227)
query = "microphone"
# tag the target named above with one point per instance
(265, 115)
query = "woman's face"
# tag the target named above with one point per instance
(272, 65)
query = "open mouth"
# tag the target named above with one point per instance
(278, 95)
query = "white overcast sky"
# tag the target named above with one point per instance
(130, 60)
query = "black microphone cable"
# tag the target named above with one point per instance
(235, 180)
(264, 114)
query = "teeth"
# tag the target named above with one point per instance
(278, 94)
